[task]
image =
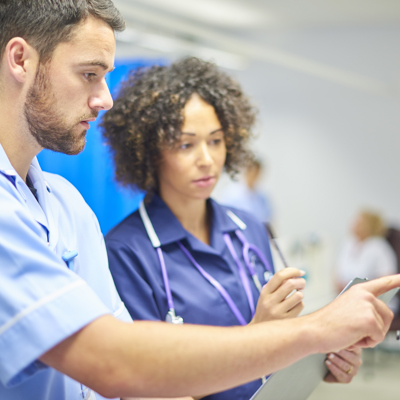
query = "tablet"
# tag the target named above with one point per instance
(299, 380)
(295, 382)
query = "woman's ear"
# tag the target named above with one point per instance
(21, 59)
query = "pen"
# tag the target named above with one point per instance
(273, 240)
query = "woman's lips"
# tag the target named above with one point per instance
(205, 182)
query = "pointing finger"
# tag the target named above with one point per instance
(382, 285)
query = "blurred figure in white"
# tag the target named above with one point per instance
(246, 194)
(366, 254)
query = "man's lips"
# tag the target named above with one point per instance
(85, 122)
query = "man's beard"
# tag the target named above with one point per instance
(46, 123)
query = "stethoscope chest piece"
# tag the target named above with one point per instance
(267, 276)
(173, 319)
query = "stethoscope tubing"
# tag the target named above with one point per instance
(247, 247)
(242, 273)
(170, 300)
(217, 285)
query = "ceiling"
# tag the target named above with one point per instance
(237, 33)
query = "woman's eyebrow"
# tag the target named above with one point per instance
(193, 134)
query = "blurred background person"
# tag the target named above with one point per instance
(366, 253)
(247, 194)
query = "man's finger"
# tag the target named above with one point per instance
(382, 285)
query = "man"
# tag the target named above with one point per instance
(56, 294)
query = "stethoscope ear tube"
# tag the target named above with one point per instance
(151, 233)
(171, 317)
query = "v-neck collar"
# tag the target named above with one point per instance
(170, 230)
(39, 207)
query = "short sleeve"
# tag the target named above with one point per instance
(42, 301)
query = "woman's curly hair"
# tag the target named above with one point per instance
(147, 118)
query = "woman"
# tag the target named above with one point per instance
(180, 256)
(366, 253)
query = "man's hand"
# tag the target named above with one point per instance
(274, 302)
(357, 318)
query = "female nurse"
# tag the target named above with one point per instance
(182, 257)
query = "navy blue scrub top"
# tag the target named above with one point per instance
(137, 273)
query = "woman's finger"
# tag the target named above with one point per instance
(344, 365)
(295, 311)
(351, 356)
(336, 375)
(291, 302)
(280, 277)
(288, 287)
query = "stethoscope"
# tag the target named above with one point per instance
(249, 251)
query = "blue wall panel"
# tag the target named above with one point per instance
(92, 171)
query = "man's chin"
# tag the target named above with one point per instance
(77, 148)
(71, 149)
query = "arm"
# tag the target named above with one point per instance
(159, 359)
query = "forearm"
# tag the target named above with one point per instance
(155, 359)
(158, 359)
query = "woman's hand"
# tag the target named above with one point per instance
(275, 302)
(343, 365)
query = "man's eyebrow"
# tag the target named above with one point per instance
(95, 63)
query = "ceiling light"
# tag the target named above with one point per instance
(217, 12)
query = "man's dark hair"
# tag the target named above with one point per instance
(46, 23)
(147, 118)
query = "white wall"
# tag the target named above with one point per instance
(330, 149)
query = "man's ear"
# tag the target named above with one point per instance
(21, 58)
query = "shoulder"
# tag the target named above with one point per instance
(128, 226)
(250, 220)
(59, 186)
(129, 233)
(66, 194)
(379, 244)
(255, 230)
(70, 202)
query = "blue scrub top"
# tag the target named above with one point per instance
(137, 274)
(42, 300)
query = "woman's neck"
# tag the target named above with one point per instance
(192, 214)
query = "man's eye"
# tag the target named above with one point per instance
(89, 76)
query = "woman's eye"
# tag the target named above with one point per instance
(185, 146)
(216, 141)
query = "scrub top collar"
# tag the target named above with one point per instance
(42, 212)
(170, 230)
